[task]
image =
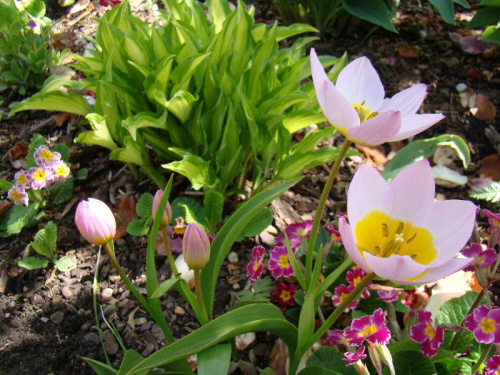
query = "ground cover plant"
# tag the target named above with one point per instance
(392, 230)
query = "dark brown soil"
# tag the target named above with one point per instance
(47, 321)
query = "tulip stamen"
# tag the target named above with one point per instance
(400, 228)
(385, 230)
(411, 238)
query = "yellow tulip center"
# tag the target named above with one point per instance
(383, 236)
(487, 325)
(429, 331)
(364, 112)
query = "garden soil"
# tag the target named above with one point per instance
(47, 321)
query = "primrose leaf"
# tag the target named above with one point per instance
(17, 217)
(32, 263)
(64, 264)
(61, 191)
(328, 358)
(144, 206)
(137, 227)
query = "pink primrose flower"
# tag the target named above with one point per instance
(369, 328)
(279, 264)
(60, 171)
(41, 177)
(109, 3)
(334, 234)
(43, 156)
(492, 366)
(255, 266)
(354, 277)
(339, 295)
(284, 295)
(397, 231)
(335, 338)
(387, 297)
(484, 324)
(23, 179)
(494, 221)
(95, 221)
(17, 195)
(352, 358)
(356, 107)
(482, 258)
(427, 334)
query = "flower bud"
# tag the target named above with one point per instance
(167, 212)
(95, 221)
(195, 247)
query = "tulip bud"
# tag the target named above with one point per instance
(195, 247)
(167, 212)
(95, 221)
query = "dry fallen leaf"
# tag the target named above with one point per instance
(125, 211)
(17, 154)
(64, 40)
(375, 154)
(484, 109)
(490, 167)
(408, 51)
(4, 206)
(64, 118)
(244, 341)
(278, 360)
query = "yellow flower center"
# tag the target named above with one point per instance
(301, 233)
(383, 236)
(39, 175)
(15, 196)
(429, 331)
(283, 263)
(342, 297)
(21, 179)
(62, 171)
(368, 330)
(46, 155)
(285, 295)
(364, 112)
(256, 265)
(179, 230)
(487, 325)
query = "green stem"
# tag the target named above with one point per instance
(393, 320)
(454, 340)
(168, 250)
(95, 286)
(481, 359)
(199, 297)
(320, 208)
(162, 324)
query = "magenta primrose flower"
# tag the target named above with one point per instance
(484, 323)
(492, 366)
(482, 258)
(352, 358)
(494, 221)
(339, 295)
(255, 266)
(334, 234)
(369, 328)
(95, 221)
(279, 264)
(389, 296)
(356, 107)
(397, 231)
(335, 338)
(427, 334)
(354, 277)
(284, 295)
(196, 247)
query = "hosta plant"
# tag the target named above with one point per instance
(215, 98)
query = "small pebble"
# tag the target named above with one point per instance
(7, 316)
(110, 343)
(44, 319)
(232, 257)
(66, 292)
(86, 326)
(140, 321)
(121, 242)
(92, 337)
(107, 293)
(110, 309)
(57, 317)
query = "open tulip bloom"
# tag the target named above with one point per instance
(398, 232)
(356, 107)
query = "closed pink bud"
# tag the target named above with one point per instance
(167, 212)
(95, 221)
(195, 247)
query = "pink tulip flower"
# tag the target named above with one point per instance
(167, 212)
(95, 221)
(356, 107)
(195, 247)
(397, 231)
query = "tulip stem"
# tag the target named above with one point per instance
(199, 297)
(320, 209)
(168, 250)
(109, 247)
(481, 359)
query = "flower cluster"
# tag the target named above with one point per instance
(49, 168)
(353, 277)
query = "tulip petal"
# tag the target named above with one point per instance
(407, 101)
(350, 245)
(396, 268)
(413, 192)
(414, 124)
(362, 200)
(337, 109)
(451, 223)
(377, 130)
(360, 83)
(436, 273)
